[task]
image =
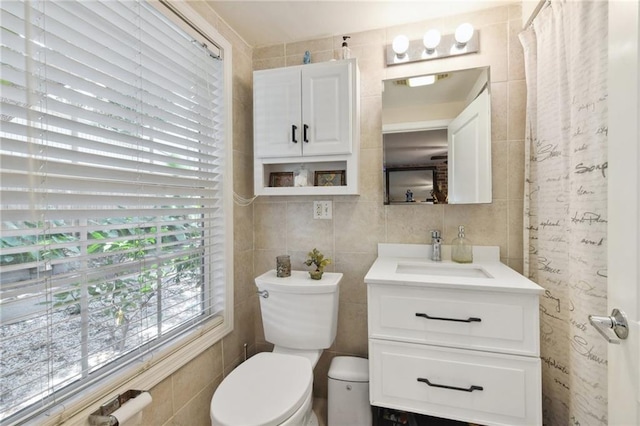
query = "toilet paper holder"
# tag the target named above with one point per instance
(102, 416)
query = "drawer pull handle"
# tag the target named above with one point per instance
(470, 319)
(293, 133)
(469, 389)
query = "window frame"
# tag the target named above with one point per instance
(179, 351)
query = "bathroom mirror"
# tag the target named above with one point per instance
(437, 138)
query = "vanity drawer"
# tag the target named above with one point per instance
(485, 388)
(483, 320)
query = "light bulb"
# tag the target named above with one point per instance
(464, 32)
(431, 40)
(400, 45)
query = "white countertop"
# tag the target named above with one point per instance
(485, 258)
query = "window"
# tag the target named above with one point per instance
(115, 213)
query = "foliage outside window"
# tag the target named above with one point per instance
(112, 223)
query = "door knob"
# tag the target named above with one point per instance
(617, 323)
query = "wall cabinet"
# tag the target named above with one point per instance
(306, 115)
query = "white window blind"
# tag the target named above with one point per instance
(112, 165)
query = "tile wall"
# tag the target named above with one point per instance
(278, 225)
(285, 224)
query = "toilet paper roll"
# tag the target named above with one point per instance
(132, 407)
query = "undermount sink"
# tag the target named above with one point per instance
(447, 269)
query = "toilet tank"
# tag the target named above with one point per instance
(299, 313)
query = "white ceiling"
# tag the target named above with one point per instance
(265, 22)
(454, 88)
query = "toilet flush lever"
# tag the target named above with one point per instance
(263, 293)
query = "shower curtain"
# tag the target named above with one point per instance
(566, 203)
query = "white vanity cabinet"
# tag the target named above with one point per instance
(306, 115)
(455, 347)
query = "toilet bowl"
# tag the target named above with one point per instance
(269, 389)
(300, 318)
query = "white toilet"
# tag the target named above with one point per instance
(300, 317)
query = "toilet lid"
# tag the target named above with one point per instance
(263, 391)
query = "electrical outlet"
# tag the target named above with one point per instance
(322, 209)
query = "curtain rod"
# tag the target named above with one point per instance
(187, 21)
(541, 5)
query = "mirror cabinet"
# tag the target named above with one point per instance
(437, 138)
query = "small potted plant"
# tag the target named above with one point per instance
(316, 258)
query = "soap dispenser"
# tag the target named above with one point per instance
(461, 248)
(346, 52)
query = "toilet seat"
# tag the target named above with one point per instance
(263, 391)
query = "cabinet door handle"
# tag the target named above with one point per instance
(470, 319)
(293, 133)
(304, 137)
(434, 385)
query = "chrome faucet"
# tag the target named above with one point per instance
(436, 242)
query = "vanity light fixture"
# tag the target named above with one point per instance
(433, 45)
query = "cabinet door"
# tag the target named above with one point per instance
(327, 108)
(506, 322)
(469, 137)
(276, 113)
(470, 386)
